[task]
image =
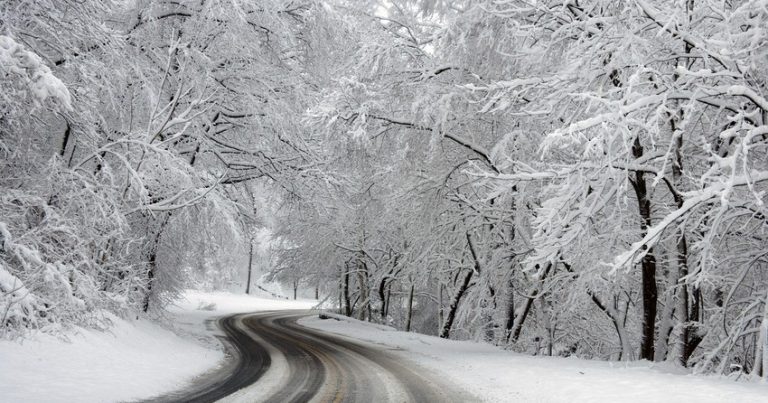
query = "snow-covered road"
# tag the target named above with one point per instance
(286, 362)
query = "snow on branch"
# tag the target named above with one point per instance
(36, 76)
(692, 201)
(598, 120)
(173, 202)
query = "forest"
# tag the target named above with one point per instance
(557, 177)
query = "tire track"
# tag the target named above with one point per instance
(321, 367)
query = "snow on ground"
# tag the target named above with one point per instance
(223, 303)
(496, 375)
(140, 359)
(134, 359)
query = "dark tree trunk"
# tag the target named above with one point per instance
(648, 264)
(250, 269)
(150, 282)
(510, 314)
(691, 337)
(519, 321)
(383, 297)
(362, 286)
(689, 300)
(445, 332)
(341, 291)
(490, 324)
(440, 303)
(385, 286)
(345, 290)
(152, 263)
(410, 309)
(389, 298)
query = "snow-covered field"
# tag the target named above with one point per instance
(135, 359)
(496, 375)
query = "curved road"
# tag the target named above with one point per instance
(277, 360)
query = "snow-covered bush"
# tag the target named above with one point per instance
(47, 276)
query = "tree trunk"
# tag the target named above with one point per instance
(517, 326)
(345, 290)
(690, 335)
(648, 264)
(250, 269)
(389, 298)
(546, 321)
(666, 321)
(439, 303)
(340, 291)
(510, 314)
(689, 307)
(362, 284)
(761, 353)
(410, 309)
(621, 332)
(382, 296)
(451, 316)
(150, 283)
(152, 263)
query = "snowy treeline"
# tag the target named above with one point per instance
(559, 177)
(130, 136)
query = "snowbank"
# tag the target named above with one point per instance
(133, 360)
(496, 375)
